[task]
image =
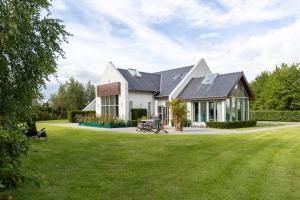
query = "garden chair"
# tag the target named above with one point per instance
(32, 133)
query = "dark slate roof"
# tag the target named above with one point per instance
(171, 78)
(163, 82)
(220, 87)
(147, 82)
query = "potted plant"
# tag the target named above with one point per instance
(179, 111)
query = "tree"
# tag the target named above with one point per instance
(89, 92)
(71, 96)
(279, 89)
(179, 111)
(30, 46)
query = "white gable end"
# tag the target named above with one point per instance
(200, 69)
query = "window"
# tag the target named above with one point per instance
(149, 110)
(130, 107)
(196, 111)
(228, 110)
(203, 111)
(110, 105)
(159, 112)
(211, 111)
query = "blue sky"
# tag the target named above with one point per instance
(235, 35)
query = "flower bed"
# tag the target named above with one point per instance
(103, 121)
(105, 125)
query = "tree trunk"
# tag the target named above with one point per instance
(178, 127)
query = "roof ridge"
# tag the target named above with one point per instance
(153, 73)
(231, 73)
(174, 68)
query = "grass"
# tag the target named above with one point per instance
(264, 125)
(86, 164)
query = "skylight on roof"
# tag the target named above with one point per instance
(134, 72)
(209, 79)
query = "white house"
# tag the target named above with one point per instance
(209, 96)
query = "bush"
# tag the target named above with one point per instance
(12, 146)
(132, 123)
(272, 115)
(229, 125)
(137, 113)
(106, 121)
(75, 115)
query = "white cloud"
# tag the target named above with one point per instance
(92, 47)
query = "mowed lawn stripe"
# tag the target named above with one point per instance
(87, 164)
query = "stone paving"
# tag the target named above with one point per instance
(186, 131)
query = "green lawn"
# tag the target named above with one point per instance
(87, 164)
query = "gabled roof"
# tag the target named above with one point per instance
(171, 78)
(163, 82)
(147, 81)
(220, 87)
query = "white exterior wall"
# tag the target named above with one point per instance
(141, 100)
(110, 75)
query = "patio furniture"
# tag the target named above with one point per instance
(32, 133)
(150, 126)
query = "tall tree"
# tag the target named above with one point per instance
(70, 96)
(279, 89)
(89, 92)
(30, 46)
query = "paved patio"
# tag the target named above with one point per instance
(186, 131)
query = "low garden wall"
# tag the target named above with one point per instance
(271, 115)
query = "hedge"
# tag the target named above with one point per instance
(230, 125)
(272, 115)
(137, 113)
(132, 123)
(73, 115)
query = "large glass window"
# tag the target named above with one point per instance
(228, 109)
(196, 111)
(237, 105)
(110, 105)
(211, 111)
(203, 111)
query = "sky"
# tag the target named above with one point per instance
(231, 35)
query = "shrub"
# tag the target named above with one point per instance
(12, 146)
(273, 115)
(106, 121)
(230, 125)
(75, 115)
(137, 113)
(132, 123)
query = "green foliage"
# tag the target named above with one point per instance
(137, 113)
(12, 147)
(186, 122)
(75, 115)
(179, 112)
(30, 42)
(44, 111)
(132, 123)
(275, 115)
(277, 90)
(106, 121)
(230, 125)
